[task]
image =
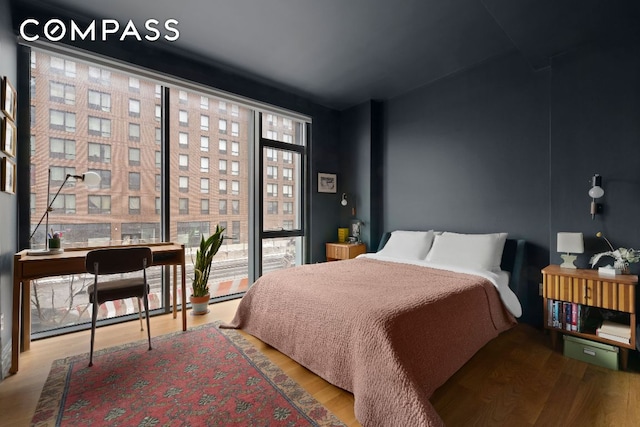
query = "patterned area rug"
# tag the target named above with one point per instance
(205, 376)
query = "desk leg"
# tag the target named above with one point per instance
(183, 305)
(175, 291)
(15, 326)
(26, 315)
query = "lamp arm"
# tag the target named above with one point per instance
(49, 209)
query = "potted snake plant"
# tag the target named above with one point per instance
(201, 268)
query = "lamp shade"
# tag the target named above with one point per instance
(570, 243)
(91, 179)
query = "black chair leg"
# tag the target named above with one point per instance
(146, 309)
(94, 318)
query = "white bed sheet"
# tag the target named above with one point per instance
(499, 279)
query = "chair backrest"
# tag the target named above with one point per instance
(118, 260)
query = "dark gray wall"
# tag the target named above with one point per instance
(8, 202)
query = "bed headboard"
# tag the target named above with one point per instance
(513, 261)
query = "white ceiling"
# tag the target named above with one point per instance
(343, 52)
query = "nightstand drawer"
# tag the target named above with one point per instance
(338, 251)
(596, 292)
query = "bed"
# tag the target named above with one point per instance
(391, 326)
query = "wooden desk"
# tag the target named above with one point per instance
(71, 261)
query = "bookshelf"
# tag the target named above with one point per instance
(615, 295)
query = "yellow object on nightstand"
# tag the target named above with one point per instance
(343, 233)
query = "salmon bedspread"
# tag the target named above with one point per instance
(390, 333)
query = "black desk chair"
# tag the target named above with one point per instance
(112, 261)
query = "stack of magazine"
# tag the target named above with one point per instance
(613, 331)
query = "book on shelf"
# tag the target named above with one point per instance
(615, 328)
(612, 337)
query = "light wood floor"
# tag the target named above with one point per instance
(515, 380)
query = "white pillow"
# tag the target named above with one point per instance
(475, 251)
(410, 245)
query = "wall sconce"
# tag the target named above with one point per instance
(596, 192)
(344, 202)
(570, 243)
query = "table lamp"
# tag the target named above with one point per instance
(570, 243)
(89, 178)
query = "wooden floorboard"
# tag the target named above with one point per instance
(515, 380)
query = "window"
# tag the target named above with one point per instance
(99, 152)
(183, 96)
(99, 75)
(287, 208)
(204, 103)
(158, 179)
(235, 168)
(61, 92)
(222, 207)
(235, 110)
(272, 135)
(272, 172)
(183, 162)
(222, 126)
(287, 174)
(204, 164)
(287, 138)
(222, 167)
(272, 119)
(235, 148)
(59, 173)
(64, 204)
(222, 146)
(134, 132)
(272, 190)
(105, 178)
(134, 157)
(204, 185)
(60, 120)
(287, 190)
(287, 224)
(100, 101)
(134, 107)
(134, 84)
(287, 123)
(62, 148)
(204, 206)
(99, 204)
(272, 208)
(32, 87)
(183, 140)
(204, 143)
(183, 184)
(158, 159)
(99, 126)
(134, 180)
(222, 107)
(272, 155)
(287, 157)
(235, 188)
(61, 66)
(204, 122)
(235, 231)
(158, 136)
(134, 205)
(222, 186)
(235, 207)
(158, 113)
(183, 206)
(235, 129)
(158, 91)
(183, 118)
(158, 206)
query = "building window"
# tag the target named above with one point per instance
(183, 97)
(99, 126)
(222, 126)
(235, 188)
(158, 91)
(64, 203)
(287, 190)
(272, 208)
(287, 138)
(183, 162)
(183, 184)
(287, 174)
(235, 129)
(204, 164)
(61, 66)
(134, 132)
(99, 204)
(272, 155)
(60, 120)
(287, 157)
(235, 168)
(158, 180)
(158, 205)
(183, 118)
(62, 148)
(134, 205)
(158, 159)
(222, 107)
(105, 178)
(158, 113)
(222, 167)
(235, 110)
(204, 103)
(222, 207)
(272, 135)
(272, 119)
(99, 152)
(134, 108)
(183, 206)
(134, 180)
(222, 146)
(158, 136)
(32, 87)
(272, 172)
(204, 143)
(287, 224)
(272, 190)
(287, 208)
(134, 157)
(204, 206)
(99, 75)
(287, 123)
(134, 84)
(235, 148)
(222, 186)
(63, 93)
(183, 140)
(99, 101)
(59, 173)
(204, 123)
(235, 231)
(204, 185)
(235, 207)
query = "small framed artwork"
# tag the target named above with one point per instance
(327, 183)
(8, 105)
(8, 135)
(8, 182)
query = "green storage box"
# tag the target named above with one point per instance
(592, 352)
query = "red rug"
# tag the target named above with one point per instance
(205, 376)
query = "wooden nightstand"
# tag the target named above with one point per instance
(582, 287)
(338, 251)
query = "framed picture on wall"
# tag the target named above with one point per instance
(8, 181)
(8, 104)
(8, 135)
(327, 183)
